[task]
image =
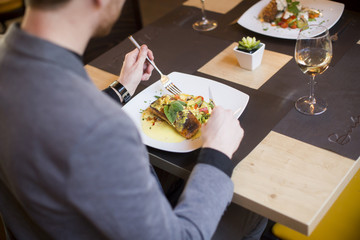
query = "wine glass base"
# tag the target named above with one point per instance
(205, 25)
(308, 107)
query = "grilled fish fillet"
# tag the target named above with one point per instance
(186, 124)
(269, 12)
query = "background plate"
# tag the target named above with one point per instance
(225, 96)
(331, 12)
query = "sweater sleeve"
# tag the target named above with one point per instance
(217, 159)
(114, 189)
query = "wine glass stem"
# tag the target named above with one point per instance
(312, 89)
(203, 10)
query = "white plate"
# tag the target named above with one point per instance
(225, 96)
(331, 12)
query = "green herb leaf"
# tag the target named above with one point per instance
(168, 114)
(292, 7)
(182, 103)
(172, 109)
(177, 106)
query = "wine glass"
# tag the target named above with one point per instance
(204, 24)
(313, 53)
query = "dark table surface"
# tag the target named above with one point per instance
(177, 47)
(172, 39)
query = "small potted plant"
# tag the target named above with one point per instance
(249, 52)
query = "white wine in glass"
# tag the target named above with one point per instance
(313, 53)
(204, 24)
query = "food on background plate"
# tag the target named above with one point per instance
(287, 14)
(269, 12)
(185, 113)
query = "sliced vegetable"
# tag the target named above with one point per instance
(204, 110)
(199, 102)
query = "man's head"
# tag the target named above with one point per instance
(108, 11)
(70, 23)
(108, 17)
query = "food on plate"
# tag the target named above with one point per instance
(184, 112)
(287, 14)
(269, 12)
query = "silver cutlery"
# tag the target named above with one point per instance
(335, 36)
(165, 80)
(211, 100)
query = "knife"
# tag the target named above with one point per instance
(211, 98)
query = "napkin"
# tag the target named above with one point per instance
(225, 66)
(222, 6)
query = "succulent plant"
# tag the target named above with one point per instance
(249, 44)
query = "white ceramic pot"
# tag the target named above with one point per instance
(250, 61)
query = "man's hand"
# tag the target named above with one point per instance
(135, 68)
(222, 132)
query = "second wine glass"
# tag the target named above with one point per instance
(313, 53)
(204, 24)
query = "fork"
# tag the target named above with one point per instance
(335, 36)
(165, 80)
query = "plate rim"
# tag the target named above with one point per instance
(242, 20)
(170, 146)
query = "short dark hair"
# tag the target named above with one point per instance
(45, 4)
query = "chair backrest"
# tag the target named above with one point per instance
(10, 9)
(3, 231)
(10, 5)
(14, 218)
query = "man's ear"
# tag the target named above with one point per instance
(100, 3)
(97, 3)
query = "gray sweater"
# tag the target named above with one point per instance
(74, 160)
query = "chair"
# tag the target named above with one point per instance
(341, 222)
(10, 9)
(4, 234)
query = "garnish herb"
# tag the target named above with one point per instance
(292, 7)
(172, 109)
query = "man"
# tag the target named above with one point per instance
(71, 161)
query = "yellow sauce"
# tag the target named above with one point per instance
(161, 130)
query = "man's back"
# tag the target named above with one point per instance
(48, 108)
(75, 161)
(69, 155)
